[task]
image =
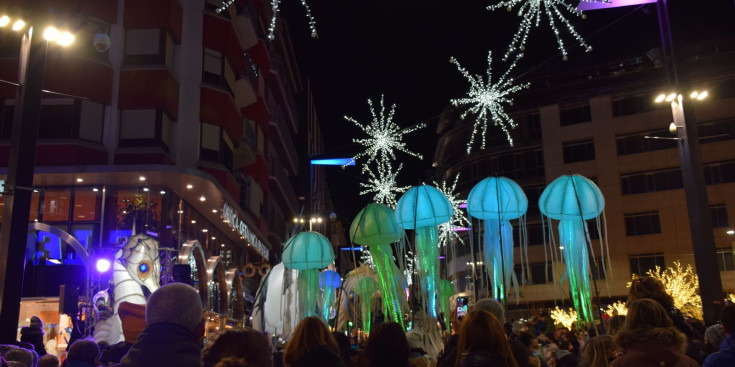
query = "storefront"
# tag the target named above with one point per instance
(194, 219)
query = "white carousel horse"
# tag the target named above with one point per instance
(136, 274)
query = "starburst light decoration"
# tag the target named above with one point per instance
(382, 184)
(384, 137)
(487, 100)
(447, 233)
(272, 27)
(531, 12)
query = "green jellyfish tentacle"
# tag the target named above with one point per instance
(308, 281)
(387, 275)
(576, 257)
(427, 240)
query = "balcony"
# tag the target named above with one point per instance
(281, 183)
(282, 137)
(283, 91)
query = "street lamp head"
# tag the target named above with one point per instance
(702, 95)
(670, 97)
(4, 20)
(18, 25)
(50, 34)
(673, 129)
(65, 39)
(660, 98)
(731, 231)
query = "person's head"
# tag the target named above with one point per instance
(646, 313)
(36, 322)
(529, 341)
(482, 331)
(649, 287)
(387, 346)
(237, 344)
(727, 319)
(48, 360)
(714, 336)
(598, 351)
(84, 350)
(492, 306)
(310, 334)
(615, 324)
(175, 303)
(19, 355)
(415, 339)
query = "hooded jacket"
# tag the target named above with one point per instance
(655, 347)
(163, 344)
(726, 355)
(33, 335)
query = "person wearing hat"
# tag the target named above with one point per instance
(33, 334)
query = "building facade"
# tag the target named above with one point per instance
(182, 128)
(596, 122)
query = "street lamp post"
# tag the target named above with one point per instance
(21, 165)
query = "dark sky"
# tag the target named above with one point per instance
(401, 48)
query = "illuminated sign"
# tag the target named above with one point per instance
(231, 218)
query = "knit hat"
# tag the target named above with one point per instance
(715, 335)
(36, 322)
(132, 317)
(415, 339)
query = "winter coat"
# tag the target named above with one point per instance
(33, 335)
(319, 357)
(162, 345)
(482, 359)
(77, 364)
(655, 347)
(726, 355)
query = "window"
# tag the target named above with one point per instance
(640, 264)
(631, 105)
(575, 115)
(637, 224)
(86, 205)
(56, 205)
(596, 268)
(535, 273)
(718, 130)
(579, 151)
(148, 47)
(533, 122)
(719, 172)
(58, 119)
(725, 259)
(217, 71)
(719, 216)
(216, 146)
(651, 181)
(637, 143)
(148, 127)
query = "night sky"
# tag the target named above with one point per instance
(401, 48)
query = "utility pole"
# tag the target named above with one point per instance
(19, 182)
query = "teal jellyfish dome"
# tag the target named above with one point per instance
(570, 196)
(497, 198)
(308, 250)
(423, 206)
(375, 225)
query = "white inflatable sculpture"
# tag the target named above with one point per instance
(276, 305)
(136, 274)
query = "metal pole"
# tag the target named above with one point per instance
(21, 165)
(692, 170)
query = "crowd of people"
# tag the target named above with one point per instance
(653, 333)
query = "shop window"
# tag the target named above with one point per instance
(56, 205)
(86, 205)
(579, 151)
(637, 224)
(725, 259)
(719, 215)
(140, 207)
(640, 264)
(575, 115)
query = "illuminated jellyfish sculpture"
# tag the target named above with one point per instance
(497, 201)
(308, 252)
(423, 208)
(572, 200)
(375, 227)
(329, 281)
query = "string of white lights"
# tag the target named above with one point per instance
(487, 100)
(272, 27)
(447, 234)
(382, 184)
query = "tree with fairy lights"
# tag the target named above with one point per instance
(487, 100)
(682, 284)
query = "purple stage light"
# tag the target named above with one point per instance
(461, 229)
(103, 265)
(595, 5)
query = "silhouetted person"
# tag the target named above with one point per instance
(33, 334)
(237, 347)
